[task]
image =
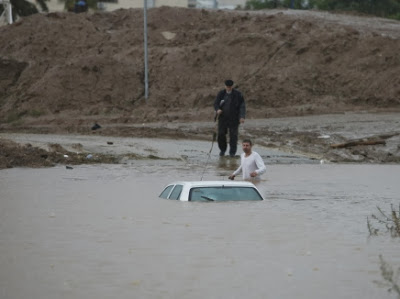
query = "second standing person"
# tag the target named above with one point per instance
(230, 110)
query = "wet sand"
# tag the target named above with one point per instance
(307, 139)
(129, 149)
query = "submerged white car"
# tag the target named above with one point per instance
(211, 191)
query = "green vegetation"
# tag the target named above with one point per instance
(263, 4)
(391, 222)
(69, 4)
(380, 8)
(35, 113)
(12, 117)
(25, 8)
(390, 276)
(15, 116)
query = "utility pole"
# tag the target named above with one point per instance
(146, 76)
(215, 4)
(7, 13)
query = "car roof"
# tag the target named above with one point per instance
(213, 183)
(187, 186)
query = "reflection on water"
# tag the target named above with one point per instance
(228, 163)
(101, 231)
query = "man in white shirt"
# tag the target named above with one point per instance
(251, 163)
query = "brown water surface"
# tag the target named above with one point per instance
(102, 232)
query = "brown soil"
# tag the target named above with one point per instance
(63, 72)
(16, 155)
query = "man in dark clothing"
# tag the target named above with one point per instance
(230, 110)
(80, 6)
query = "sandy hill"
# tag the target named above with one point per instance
(63, 67)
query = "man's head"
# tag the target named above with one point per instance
(228, 85)
(246, 146)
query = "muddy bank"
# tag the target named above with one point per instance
(334, 138)
(13, 154)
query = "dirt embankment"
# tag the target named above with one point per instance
(62, 72)
(67, 69)
(13, 154)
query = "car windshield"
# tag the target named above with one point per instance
(166, 191)
(223, 193)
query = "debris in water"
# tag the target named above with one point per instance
(290, 272)
(96, 127)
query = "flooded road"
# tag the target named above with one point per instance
(102, 232)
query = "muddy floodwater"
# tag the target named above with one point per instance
(102, 232)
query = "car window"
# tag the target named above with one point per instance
(166, 191)
(223, 193)
(176, 192)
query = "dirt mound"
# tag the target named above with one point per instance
(17, 155)
(68, 69)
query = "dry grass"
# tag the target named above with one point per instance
(390, 276)
(391, 222)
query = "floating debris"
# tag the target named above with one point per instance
(96, 127)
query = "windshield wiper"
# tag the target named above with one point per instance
(208, 198)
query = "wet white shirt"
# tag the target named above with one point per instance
(249, 164)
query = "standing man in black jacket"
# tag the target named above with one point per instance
(230, 110)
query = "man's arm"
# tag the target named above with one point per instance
(218, 101)
(235, 173)
(260, 164)
(242, 108)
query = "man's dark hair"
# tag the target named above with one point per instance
(228, 83)
(247, 141)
